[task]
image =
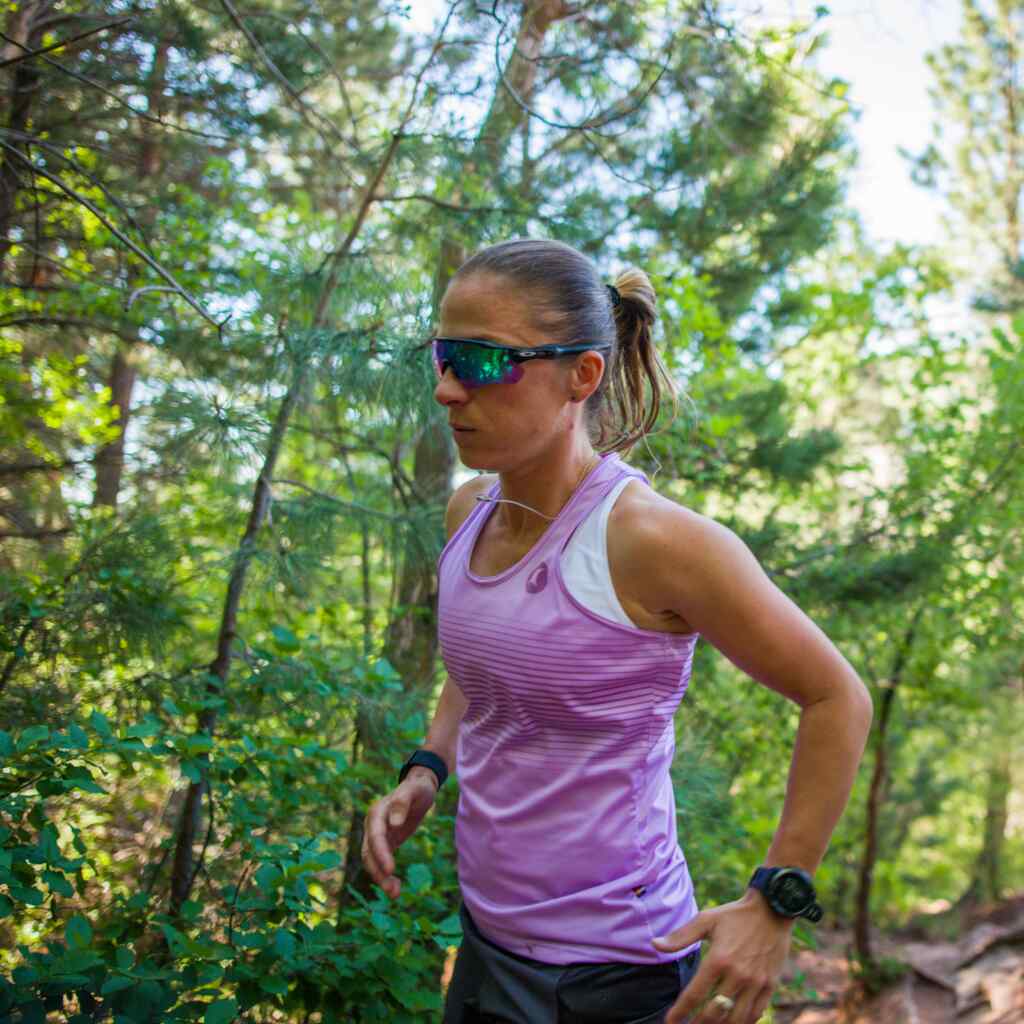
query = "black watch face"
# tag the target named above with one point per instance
(792, 893)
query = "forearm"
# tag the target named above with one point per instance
(443, 734)
(829, 745)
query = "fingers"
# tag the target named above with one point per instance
(749, 1001)
(761, 1001)
(377, 850)
(708, 974)
(696, 928)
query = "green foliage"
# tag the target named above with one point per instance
(262, 933)
(878, 974)
(254, 632)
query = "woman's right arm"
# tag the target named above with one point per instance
(393, 818)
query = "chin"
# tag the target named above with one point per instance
(477, 463)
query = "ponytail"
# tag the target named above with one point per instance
(619, 403)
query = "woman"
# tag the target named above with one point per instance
(571, 596)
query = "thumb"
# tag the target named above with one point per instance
(699, 927)
(396, 813)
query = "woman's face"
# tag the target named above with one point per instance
(518, 418)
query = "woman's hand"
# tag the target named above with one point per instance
(749, 946)
(391, 820)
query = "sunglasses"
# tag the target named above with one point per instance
(476, 362)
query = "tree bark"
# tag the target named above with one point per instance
(876, 799)
(22, 28)
(110, 458)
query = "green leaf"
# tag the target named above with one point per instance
(284, 943)
(26, 894)
(273, 984)
(100, 724)
(285, 639)
(221, 1012)
(6, 907)
(190, 909)
(451, 925)
(115, 984)
(32, 735)
(78, 736)
(419, 878)
(58, 883)
(6, 744)
(147, 727)
(78, 932)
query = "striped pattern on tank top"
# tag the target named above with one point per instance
(566, 827)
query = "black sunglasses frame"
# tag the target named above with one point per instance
(521, 354)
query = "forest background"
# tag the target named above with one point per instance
(224, 226)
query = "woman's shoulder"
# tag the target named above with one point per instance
(463, 501)
(654, 530)
(639, 506)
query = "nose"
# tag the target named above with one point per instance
(450, 389)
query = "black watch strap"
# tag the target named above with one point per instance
(427, 759)
(762, 880)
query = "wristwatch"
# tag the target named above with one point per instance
(429, 760)
(788, 891)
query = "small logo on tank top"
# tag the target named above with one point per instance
(538, 579)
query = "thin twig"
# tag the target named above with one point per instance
(64, 42)
(593, 122)
(330, 499)
(117, 99)
(79, 198)
(307, 112)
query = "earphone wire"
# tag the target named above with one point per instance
(511, 501)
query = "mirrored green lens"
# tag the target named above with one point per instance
(475, 365)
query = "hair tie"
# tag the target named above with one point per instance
(614, 292)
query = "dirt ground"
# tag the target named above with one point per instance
(976, 979)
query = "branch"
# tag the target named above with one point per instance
(307, 112)
(330, 499)
(17, 468)
(28, 54)
(117, 99)
(335, 258)
(592, 122)
(70, 321)
(433, 200)
(35, 534)
(79, 198)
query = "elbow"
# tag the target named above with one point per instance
(863, 707)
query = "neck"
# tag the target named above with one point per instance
(545, 490)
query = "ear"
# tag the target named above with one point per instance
(587, 374)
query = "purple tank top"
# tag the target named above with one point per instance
(566, 830)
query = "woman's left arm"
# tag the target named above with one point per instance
(706, 574)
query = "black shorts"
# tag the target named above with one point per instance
(491, 985)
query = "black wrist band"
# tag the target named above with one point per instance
(428, 760)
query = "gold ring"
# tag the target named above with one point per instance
(724, 1002)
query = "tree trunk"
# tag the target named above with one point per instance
(989, 867)
(411, 636)
(185, 869)
(110, 458)
(875, 801)
(21, 29)
(988, 875)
